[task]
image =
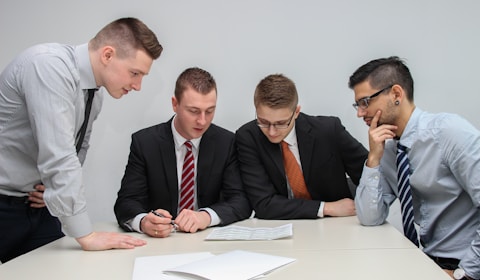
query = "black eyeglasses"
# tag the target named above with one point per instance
(275, 125)
(363, 102)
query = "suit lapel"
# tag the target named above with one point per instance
(206, 155)
(305, 145)
(273, 151)
(169, 161)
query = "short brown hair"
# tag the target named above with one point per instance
(276, 91)
(195, 78)
(127, 35)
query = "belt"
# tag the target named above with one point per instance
(14, 199)
(446, 263)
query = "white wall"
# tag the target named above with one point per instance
(316, 43)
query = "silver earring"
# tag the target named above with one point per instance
(397, 102)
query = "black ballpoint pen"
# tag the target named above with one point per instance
(162, 216)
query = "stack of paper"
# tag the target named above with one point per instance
(234, 265)
(246, 233)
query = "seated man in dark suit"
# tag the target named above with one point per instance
(183, 172)
(282, 140)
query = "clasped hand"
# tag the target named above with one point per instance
(187, 221)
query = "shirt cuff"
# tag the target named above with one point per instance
(214, 218)
(134, 223)
(370, 177)
(76, 226)
(320, 209)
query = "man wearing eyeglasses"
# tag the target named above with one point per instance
(323, 151)
(443, 153)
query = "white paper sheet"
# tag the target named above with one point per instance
(151, 268)
(234, 265)
(248, 233)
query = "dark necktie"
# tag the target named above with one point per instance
(405, 196)
(83, 128)
(294, 173)
(187, 191)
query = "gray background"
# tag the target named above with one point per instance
(318, 44)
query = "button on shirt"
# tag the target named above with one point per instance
(42, 106)
(444, 154)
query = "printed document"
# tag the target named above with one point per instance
(248, 233)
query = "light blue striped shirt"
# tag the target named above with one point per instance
(42, 106)
(444, 154)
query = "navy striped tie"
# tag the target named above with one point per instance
(405, 196)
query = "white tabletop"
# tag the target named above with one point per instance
(331, 248)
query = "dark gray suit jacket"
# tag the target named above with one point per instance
(150, 180)
(327, 153)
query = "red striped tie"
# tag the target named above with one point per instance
(187, 191)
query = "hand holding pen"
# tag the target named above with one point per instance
(155, 227)
(175, 227)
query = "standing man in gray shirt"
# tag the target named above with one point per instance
(438, 159)
(45, 130)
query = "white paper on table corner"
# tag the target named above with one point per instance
(234, 265)
(151, 268)
(234, 232)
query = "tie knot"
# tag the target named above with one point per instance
(188, 144)
(401, 148)
(284, 145)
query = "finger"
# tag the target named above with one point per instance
(375, 119)
(36, 195)
(37, 205)
(191, 226)
(40, 188)
(128, 242)
(164, 212)
(161, 232)
(157, 220)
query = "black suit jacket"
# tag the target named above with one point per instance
(150, 180)
(327, 152)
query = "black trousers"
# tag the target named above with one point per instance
(23, 228)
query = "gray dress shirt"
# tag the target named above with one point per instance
(42, 104)
(444, 153)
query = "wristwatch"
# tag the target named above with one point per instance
(460, 274)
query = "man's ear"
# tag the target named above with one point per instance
(398, 93)
(174, 103)
(107, 53)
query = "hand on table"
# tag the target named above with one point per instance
(192, 221)
(340, 208)
(98, 241)
(156, 226)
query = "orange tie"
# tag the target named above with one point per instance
(294, 173)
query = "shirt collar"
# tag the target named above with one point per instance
(291, 138)
(410, 131)
(87, 79)
(179, 140)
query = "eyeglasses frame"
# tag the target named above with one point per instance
(275, 125)
(366, 99)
